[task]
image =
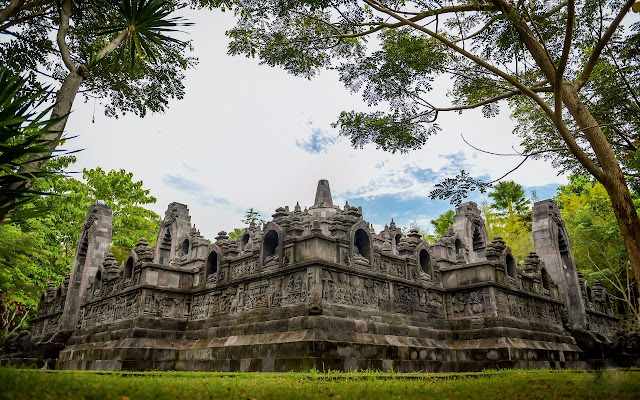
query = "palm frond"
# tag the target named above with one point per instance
(147, 21)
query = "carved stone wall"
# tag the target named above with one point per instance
(552, 246)
(320, 286)
(113, 308)
(92, 249)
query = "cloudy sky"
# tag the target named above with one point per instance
(248, 135)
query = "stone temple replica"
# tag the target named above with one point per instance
(318, 288)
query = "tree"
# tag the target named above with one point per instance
(509, 200)
(443, 222)
(543, 58)
(44, 244)
(597, 245)
(117, 189)
(252, 217)
(509, 216)
(106, 48)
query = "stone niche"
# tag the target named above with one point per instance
(319, 288)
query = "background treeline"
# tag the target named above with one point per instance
(39, 249)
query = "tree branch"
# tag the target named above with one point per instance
(548, 68)
(493, 99)
(11, 10)
(556, 9)
(593, 59)
(24, 316)
(566, 48)
(479, 31)
(582, 157)
(44, 46)
(63, 29)
(16, 21)
(113, 44)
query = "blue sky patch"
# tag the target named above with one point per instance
(317, 142)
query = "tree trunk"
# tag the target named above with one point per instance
(611, 175)
(614, 180)
(11, 10)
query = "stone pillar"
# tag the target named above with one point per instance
(469, 225)
(93, 246)
(552, 246)
(175, 227)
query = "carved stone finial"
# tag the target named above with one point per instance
(222, 235)
(280, 212)
(323, 194)
(498, 243)
(531, 263)
(143, 250)
(297, 207)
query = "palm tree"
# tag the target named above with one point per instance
(443, 222)
(509, 201)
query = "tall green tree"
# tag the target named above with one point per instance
(236, 234)
(542, 58)
(252, 217)
(509, 200)
(443, 222)
(111, 49)
(44, 244)
(512, 217)
(597, 245)
(116, 188)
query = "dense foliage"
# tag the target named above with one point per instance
(597, 244)
(46, 243)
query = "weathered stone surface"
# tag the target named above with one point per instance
(319, 288)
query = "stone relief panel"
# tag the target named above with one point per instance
(345, 256)
(36, 327)
(274, 292)
(111, 309)
(288, 256)
(228, 303)
(352, 290)
(166, 305)
(431, 303)
(52, 323)
(49, 324)
(473, 303)
(294, 288)
(602, 325)
(201, 305)
(247, 266)
(393, 267)
(524, 307)
(255, 295)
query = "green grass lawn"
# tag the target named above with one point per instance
(494, 385)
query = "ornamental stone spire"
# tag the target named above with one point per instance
(323, 194)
